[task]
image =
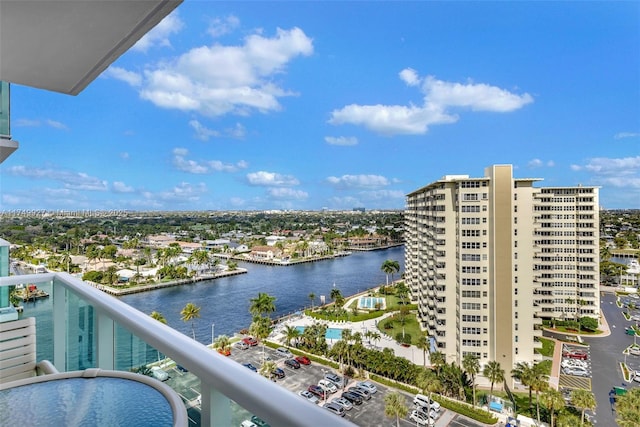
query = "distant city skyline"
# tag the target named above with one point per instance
(338, 105)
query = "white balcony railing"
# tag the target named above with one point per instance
(84, 328)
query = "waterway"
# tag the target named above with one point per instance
(224, 302)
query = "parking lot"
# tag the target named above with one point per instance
(370, 413)
(575, 367)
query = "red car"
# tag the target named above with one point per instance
(303, 360)
(318, 391)
(577, 354)
(250, 341)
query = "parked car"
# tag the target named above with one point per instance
(181, 368)
(369, 386)
(634, 350)
(282, 351)
(420, 418)
(353, 398)
(259, 421)
(159, 374)
(576, 354)
(576, 372)
(247, 423)
(278, 373)
(309, 396)
(241, 345)
(636, 377)
(424, 401)
(250, 341)
(432, 413)
(328, 386)
(335, 408)
(344, 402)
(303, 360)
(334, 379)
(292, 363)
(250, 366)
(360, 392)
(318, 391)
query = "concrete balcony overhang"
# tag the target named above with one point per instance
(7, 147)
(63, 46)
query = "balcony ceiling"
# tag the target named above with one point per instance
(63, 45)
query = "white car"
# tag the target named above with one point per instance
(327, 385)
(309, 396)
(247, 423)
(636, 377)
(284, 352)
(424, 401)
(421, 419)
(369, 386)
(159, 374)
(634, 350)
(343, 402)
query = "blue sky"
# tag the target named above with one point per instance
(306, 105)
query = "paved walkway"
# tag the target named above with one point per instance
(411, 353)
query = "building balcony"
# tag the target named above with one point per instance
(79, 327)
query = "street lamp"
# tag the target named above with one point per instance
(213, 325)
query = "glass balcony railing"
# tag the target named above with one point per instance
(80, 327)
(5, 130)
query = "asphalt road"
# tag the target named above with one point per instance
(606, 355)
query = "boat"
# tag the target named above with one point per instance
(30, 293)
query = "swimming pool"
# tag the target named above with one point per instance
(370, 303)
(331, 334)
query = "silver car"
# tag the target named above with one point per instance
(343, 402)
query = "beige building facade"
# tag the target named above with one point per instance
(487, 259)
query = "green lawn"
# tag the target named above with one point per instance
(547, 347)
(411, 327)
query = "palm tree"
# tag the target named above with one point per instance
(583, 399)
(65, 258)
(628, 408)
(390, 267)
(552, 399)
(291, 333)
(494, 373)
(189, 313)
(267, 368)
(394, 406)
(429, 383)
(402, 291)
(260, 328)
(529, 375)
(425, 345)
(158, 316)
(222, 344)
(539, 382)
(471, 365)
(262, 304)
(437, 359)
(312, 297)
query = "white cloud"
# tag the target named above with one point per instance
(35, 123)
(537, 163)
(204, 134)
(70, 179)
(181, 193)
(439, 98)
(121, 187)
(410, 77)
(124, 155)
(203, 167)
(130, 77)
(382, 195)
(287, 193)
(341, 140)
(622, 135)
(222, 26)
(56, 124)
(619, 173)
(271, 179)
(358, 181)
(217, 80)
(159, 36)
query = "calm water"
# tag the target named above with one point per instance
(225, 302)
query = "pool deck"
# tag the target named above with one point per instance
(411, 353)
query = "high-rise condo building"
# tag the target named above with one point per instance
(487, 259)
